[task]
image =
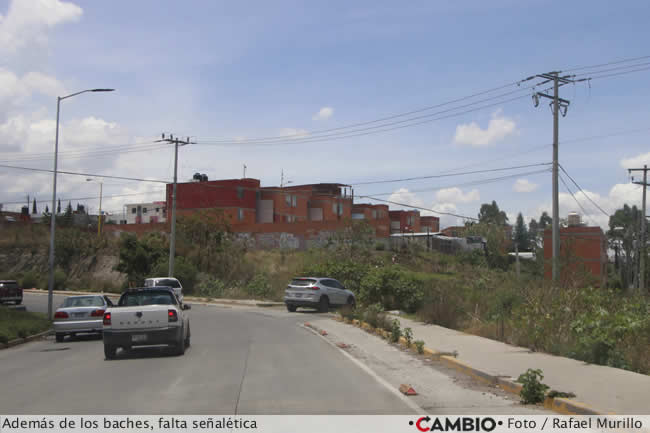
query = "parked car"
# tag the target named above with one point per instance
(10, 292)
(80, 315)
(316, 292)
(146, 316)
(166, 281)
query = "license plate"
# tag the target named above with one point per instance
(138, 338)
(79, 315)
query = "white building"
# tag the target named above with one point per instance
(145, 213)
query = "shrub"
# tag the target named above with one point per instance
(184, 271)
(419, 345)
(29, 280)
(380, 246)
(259, 286)
(212, 288)
(408, 335)
(372, 315)
(347, 312)
(533, 391)
(395, 331)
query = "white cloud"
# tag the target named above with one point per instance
(323, 113)
(404, 196)
(498, 128)
(446, 220)
(27, 22)
(524, 185)
(15, 91)
(456, 195)
(636, 161)
(619, 194)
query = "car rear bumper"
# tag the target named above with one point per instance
(63, 327)
(301, 303)
(152, 337)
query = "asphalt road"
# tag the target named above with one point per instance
(242, 361)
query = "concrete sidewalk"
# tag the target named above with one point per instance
(603, 389)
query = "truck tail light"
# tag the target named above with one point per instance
(61, 315)
(172, 315)
(107, 319)
(97, 313)
(314, 287)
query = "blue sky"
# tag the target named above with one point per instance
(225, 70)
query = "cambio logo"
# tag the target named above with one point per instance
(425, 424)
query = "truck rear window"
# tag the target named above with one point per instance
(147, 298)
(9, 285)
(84, 301)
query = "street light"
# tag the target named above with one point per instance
(50, 286)
(99, 217)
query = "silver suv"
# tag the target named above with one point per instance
(316, 292)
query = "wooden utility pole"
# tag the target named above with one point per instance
(172, 240)
(642, 237)
(558, 105)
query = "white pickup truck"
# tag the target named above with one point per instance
(148, 316)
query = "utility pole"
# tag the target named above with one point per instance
(642, 250)
(557, 105)
(244, 172)
(172, 241)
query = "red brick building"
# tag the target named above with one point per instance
(429, 224)
(377, 215)
(237, 198)
(581, 249)
(404, 221)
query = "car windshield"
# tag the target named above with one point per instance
(302, 282)
(147, 298)
(168, 282)
(84, 301)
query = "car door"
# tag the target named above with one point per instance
(343, 296)
(335, 293)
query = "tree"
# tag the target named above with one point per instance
(521, 233)
(67, 219)
(34, 211)
(58, 208)
(138, 256)
(490, 213)
(545, 221)
(533, 233)
(623, 234)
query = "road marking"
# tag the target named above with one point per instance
(411, 404)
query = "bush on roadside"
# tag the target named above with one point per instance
(533, 390)
(29, 280)
(408, 335)
(419, 345)
(395, 331)
(259, 286)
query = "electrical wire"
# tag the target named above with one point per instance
(420, 208)
(435, 176)
(632, 59)
(584, 212)
(83, 174)
(87, 198)
(582, 191)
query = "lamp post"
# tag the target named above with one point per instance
(99, 217)
(50, 286)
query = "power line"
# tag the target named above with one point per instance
(632, 59)
(582, 191)
(574, 197)
(618, 68)
(619, 73)
(435, 176)
(382, 119)
(83, 174)
(90, 149)
(419, 208)
(89, 155)
(374, 131)
(87, 198)
(472, 183)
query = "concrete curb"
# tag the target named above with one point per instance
(27, 339)
(188, 298)
(560, 405)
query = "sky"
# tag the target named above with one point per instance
(226, 74)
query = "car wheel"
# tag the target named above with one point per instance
(18, 302)
(59, 338)
(187, 339)
(291, 308)
(109, 351)
(180, 346)
(324, 304)
(351, 302)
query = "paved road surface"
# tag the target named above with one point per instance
(241, 361)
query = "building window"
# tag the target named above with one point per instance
(144, 210)
(340, 209)
(287, 200)
(374, 214)
(409, 220)
(240, 214)
(294, 201)
(133, 210)
(240, 192)
(334, 208)
(157, 210)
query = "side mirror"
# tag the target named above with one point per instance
(187, 307)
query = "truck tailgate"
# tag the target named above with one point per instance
(140, 317)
